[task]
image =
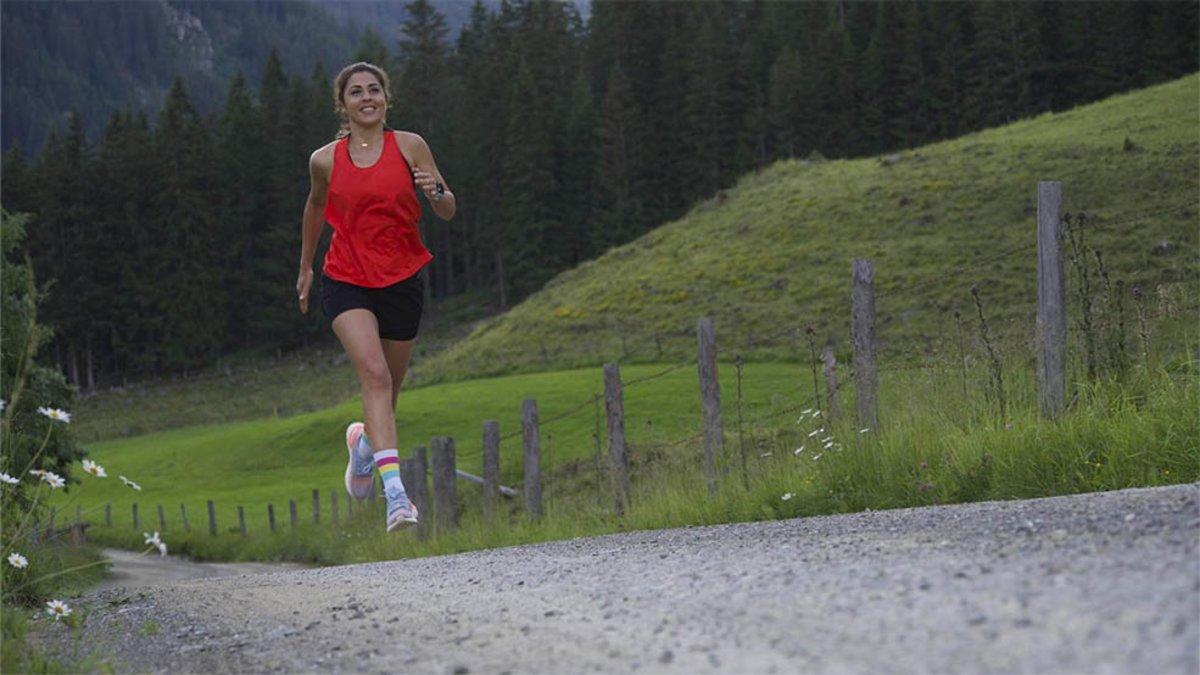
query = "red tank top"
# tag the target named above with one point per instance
(374, 213)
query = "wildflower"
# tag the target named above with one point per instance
(798, 450)
(2, 404)
(130, 483)
(766, 454)
(814, 432)
(37, 472)
(162, 549)
(827, 445)
(94, 469)
(18, 561)
(864, 430)
(58, 609)
(787, 496)
(816, 414)
(806, 411)
(55, 414)
(5, 478)
(827, 439)
(152, 539)
(817, 456)
(54, 480)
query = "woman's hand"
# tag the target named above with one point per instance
(428, 184)
(303, 287)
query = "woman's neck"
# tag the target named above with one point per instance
(366, 136)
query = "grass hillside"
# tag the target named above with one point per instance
(773, 253)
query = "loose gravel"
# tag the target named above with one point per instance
(1096, 583)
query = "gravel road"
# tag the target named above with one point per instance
(1098, 583)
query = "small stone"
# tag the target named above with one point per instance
(461, 670)
(666, 657)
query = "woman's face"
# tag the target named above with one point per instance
(364, 99)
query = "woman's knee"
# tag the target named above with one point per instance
(375, 376)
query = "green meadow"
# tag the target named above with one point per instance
(766, 259)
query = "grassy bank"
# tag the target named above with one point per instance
(933, 446)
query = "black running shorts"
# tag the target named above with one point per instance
(397, 308)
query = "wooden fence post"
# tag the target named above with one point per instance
(445, 491)
(710, 399)
(108, 514)
(533, 458)
(212, 518)
(417, 485)
(242, 520)
(832, 411)
(1051, 334)
(862, 337)
(614, 408)
(491, 467)
(316, 494)
(333, 506)
(183, 518)
(271, 517)
(136, 523)
(292, 511)
(162, 518)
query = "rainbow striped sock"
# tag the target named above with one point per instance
(388, 463)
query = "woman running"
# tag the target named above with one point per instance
(365, 184)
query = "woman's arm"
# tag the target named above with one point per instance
(319, 166)
(426, 175)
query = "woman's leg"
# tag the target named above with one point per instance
(358, 332)
(397, 353)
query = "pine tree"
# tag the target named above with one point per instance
(787, 104)
(619, 210)
(578, 166)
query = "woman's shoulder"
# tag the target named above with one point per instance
(408, 140)
(322, 157)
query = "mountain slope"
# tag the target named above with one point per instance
(773, 254)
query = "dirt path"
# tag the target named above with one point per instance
(134, 570)
(1098, 583)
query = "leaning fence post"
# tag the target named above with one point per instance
(212, 518)
(862, 337)
(292, 512)
(533, 452)
(831, 384)
(183, 517)
(316, 494)
(136, 524)
(1051, 334)
(242, 520)
(271, 517)
(710, 398)
(444, 482)
(418, 490)
(333, 506)
(614, 408)
(491, 467)
(162, 519)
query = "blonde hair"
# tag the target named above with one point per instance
(339, 90)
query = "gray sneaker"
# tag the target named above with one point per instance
(401, 511)
(360, 470)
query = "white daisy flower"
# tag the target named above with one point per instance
(827, 439)
(130, 483)
(38, 472)
(94, 469)
(814, 432)
(152, 539)
(817, 456)
(864, 430)
(806, 411)
(816, 413)
(58, 609)
(766, 454)
(5, 478)
(787, 496)
(827, 446)
(18, 561)
(55, 414)
(54, 480)
(798, 450)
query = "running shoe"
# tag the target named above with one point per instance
(360, 470)
(401, 511)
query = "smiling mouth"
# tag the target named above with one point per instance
(368, 109)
